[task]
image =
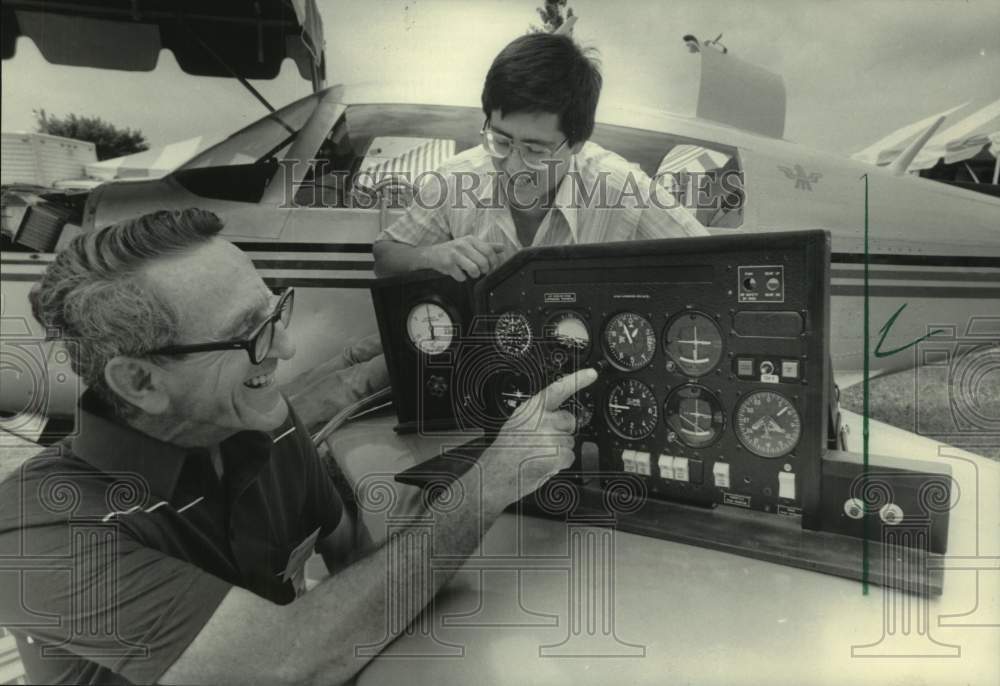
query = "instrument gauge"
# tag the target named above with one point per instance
(631, 409)
(693, 342)
(767, 424)
(513, 334)
(568, 329)
(568, 337)
(695, 415)
(515, 390)
(430, 328)
(629, 341)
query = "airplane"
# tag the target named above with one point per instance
(933, 250)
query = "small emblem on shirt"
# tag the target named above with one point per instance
(295, 570)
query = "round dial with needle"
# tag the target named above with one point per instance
(695, 415)
(513, 334)
(694, 343)
(631, 409)
(768, 424)
(629, 341)
(430, 328)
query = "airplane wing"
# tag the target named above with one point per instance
(234, 39)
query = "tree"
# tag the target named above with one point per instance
(110, 140)
(553, 20)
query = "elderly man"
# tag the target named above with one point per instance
(165, 542)
(536, 180)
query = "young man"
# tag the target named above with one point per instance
(536, 180)
(165, 542)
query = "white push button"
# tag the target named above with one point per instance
(790, 369)
(786, 485)
(720, 470)
(681, 469)
(642, 465)
(666, 465)
(628, 457)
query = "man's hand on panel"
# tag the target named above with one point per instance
(535, 443)
(463, 257)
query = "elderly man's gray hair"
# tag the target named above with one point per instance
(92, 294)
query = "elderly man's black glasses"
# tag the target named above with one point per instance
(257, 344)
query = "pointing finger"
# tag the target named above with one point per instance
(557, 393)
(563, 421)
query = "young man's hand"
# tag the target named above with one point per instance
(466, 256)
(534, 444)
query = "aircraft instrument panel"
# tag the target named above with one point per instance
(714, 389)
(714, 382)
(714, 350)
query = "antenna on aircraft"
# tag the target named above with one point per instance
(693, 45)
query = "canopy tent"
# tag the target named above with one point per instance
(152, 163)
(233, 38)
(962, 140)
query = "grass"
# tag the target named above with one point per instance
(956, 403)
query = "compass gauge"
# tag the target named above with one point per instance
(767, 424)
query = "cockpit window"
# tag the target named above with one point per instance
(240, 167)
(382, 149)
(706, 180)
(261, 140)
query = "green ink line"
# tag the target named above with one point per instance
(888, 327)
(864, 427)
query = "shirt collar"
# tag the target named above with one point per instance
(566, 196)
(564, 200)
(112, 446)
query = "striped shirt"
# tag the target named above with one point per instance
(602, 198)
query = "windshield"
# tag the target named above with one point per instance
(261, 140)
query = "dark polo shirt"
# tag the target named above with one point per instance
(116, 548)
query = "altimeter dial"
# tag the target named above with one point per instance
(629, 341)
(632, 409)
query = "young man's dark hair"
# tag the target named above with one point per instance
(543, 72)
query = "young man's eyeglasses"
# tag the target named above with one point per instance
(500, 146)
(257, 344)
